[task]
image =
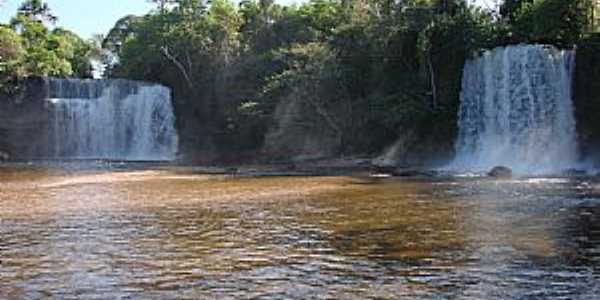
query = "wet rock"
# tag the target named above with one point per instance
(383, 169)
(500, 172)
(574, 172)
(232, 171)
(367, 178)
(4, 156)
(412, 172)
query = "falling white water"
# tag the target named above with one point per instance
(516, 111)
(111, 119)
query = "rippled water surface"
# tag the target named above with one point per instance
(169, 233)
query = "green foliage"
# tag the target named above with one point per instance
(323, 16)
(11, 56)
(37, 10)
(307, 67)
(28, 48)
(123, 29)
(561, 22)
(367, 70)
(46, 54)
(510, 8)
(76, 51)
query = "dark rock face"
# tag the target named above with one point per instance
(24, 119)
(500, 172)
(586, 97)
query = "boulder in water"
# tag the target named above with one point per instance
(500, 172)
(4, 156)
(383, 169)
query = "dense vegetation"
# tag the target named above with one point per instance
(366, 72)
(29, 48)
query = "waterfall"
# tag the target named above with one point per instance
(516, 111)
(110, 119)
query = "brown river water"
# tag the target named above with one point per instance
(174, 233)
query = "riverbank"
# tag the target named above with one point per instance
(361, 169)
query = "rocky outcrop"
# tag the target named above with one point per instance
(298, 133)
(500, 172)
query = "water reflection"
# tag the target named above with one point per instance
(171, 235)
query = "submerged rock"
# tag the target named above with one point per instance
(500, 172)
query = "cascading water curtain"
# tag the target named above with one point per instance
(111, 119)
(516, 111)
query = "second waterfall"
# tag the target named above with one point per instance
(111, 119)
(516, 111)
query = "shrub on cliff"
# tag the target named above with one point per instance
(11, 56)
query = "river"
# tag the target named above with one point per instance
(166, 232)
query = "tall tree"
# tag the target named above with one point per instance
(37, 10)
(12, 56)
(550, 21)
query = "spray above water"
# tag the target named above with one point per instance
(111, 119)
(516, 111)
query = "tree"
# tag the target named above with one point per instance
(123, 30)
(11, 48)
(162, 4)
(366, 69)
(49, 53)
(312, 76)
(550, 21)
(77, 51)
(323, 16)
(41, 49)
(11, 56)
(37, 10)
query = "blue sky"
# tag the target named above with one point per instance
(87, 17)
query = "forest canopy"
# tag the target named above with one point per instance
(28, 47)
(369, 69)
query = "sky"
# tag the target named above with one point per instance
(88, 17)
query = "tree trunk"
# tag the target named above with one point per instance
(186, 73)
(321, 111)
(434, 102)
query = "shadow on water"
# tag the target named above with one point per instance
(157, 233)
